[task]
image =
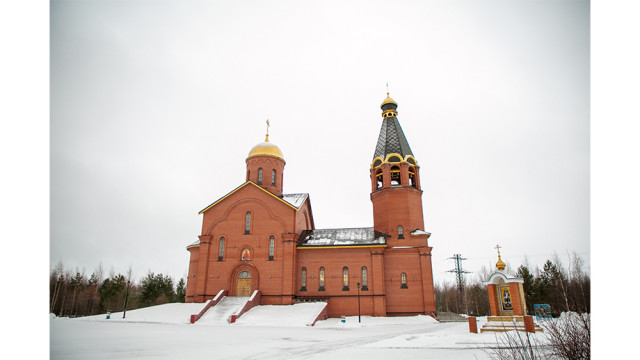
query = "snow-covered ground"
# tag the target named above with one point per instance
(264, 332)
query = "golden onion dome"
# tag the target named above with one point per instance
(500, 265)
(266, 148)
(389, 100)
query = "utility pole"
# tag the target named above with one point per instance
(460, 279)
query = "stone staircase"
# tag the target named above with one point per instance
(506, 323)
(222, 311)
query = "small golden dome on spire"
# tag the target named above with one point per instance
(389, 100)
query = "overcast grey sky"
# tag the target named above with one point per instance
(155, 106)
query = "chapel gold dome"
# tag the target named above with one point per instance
(266, 148)
(500, 265)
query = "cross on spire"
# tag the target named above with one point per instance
(498, 247)
(387, 89)
(267, 138)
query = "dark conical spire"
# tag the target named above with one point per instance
(391, 139)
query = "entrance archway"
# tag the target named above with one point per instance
(244, 284)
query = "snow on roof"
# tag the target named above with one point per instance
(194, 244)
(419, 232)
(337, 237)
(296, 200)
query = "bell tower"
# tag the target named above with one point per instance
(395, 183)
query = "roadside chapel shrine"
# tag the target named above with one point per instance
(258, 238)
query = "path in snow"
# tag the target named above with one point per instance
(222, 311)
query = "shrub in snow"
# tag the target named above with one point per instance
(517, 345)
(567, 337)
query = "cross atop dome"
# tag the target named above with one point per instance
(267, 137)
(391, 105)
(500, 265)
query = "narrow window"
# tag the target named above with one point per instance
(304, 279)
(400, 233)
(259, 176)
(345, 278)
(247, 224)
(395, 176)
(379, 179)
(272, 242)
(403, 281)
(273, 178)
(321, 279)
(221, 249)
(412, 178)
(364, 278)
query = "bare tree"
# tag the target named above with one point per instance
(57, 275)
(560, 280)
(126, 298)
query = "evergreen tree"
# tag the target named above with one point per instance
(181, 290)
(528, 286)
(157, 289)
(109, 289)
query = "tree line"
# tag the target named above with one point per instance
(78, 294)
(74, 293)
(563, 288)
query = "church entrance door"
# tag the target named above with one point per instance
(244, 284)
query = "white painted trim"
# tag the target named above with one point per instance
(493, 279)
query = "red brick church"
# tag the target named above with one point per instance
(258, 238)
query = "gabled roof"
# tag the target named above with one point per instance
(504, 276)
(391, 139)
(294, 201)
(342, 237)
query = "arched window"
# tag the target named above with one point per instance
(395, 176)
(412, 178)
(272, 245)
(345, 278)
(273, 178)
(303, 279)
(247, 224)
(259, 176)
(379, 179)
(321, 280)
(221, 249)
(364, 278)
(403, 281)
(400, 233)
